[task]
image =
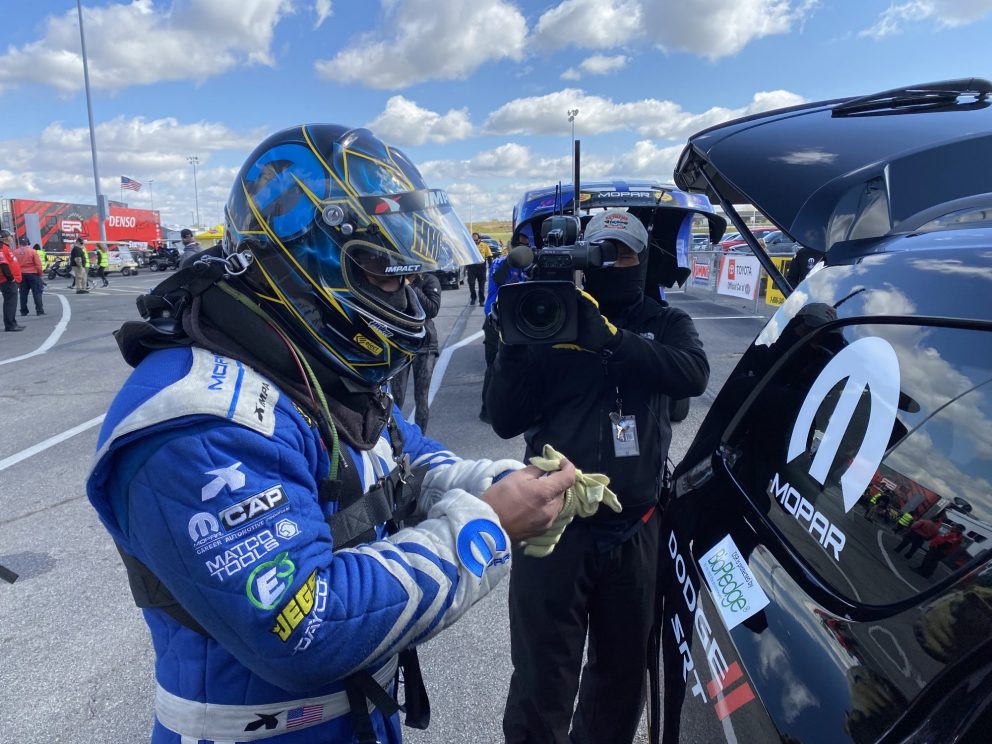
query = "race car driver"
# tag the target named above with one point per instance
(254, 472)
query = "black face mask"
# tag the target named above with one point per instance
(616, 288)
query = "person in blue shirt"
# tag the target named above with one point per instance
(288, 536)
(503, 271)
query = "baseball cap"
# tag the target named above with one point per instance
(615, 224)
(24, 240)
(185, 233)
(5, 234)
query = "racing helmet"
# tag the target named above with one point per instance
(334, 220)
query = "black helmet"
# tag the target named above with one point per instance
(320, 207)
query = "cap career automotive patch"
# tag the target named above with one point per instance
(253, 507)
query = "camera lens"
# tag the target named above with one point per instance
(541, 313)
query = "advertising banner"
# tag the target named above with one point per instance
(701, 272)
(772, 295)
(739, 277)
(60, 223)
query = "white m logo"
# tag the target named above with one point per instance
(868, 362)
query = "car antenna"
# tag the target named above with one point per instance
(576, 198)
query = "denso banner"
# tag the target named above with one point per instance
(739, 277)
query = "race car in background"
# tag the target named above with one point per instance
(792, 609)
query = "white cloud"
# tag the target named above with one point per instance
(947, 13)
(651, 117)
(591, 24)
(323, 10)
(429, 40)
(56, 164)
(597, 64)
(137, 44)
(403, 122)
(719, 28)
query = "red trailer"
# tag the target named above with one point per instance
(57, 224)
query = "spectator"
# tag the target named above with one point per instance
(940, 547)
(102, 262)
(10, 277)
(913, 538)
(32, 272)
(477, 272)
(79, 259)
(427, 287)
(503, 271)
(190, 244)
(603, 402)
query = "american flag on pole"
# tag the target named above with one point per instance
(305, 715)
(130, 184)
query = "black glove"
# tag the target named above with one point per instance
(596, 333)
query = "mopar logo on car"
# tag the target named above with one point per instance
(866, 364)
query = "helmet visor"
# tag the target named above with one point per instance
(422, 227)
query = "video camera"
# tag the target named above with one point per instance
(544, 308)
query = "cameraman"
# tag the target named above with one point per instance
(631, 355)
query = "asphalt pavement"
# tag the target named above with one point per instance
(76, 664)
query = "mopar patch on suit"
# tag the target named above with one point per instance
(475, 551)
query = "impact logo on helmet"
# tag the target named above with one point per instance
(274, 182)
(365, 343)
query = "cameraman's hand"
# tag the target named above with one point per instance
(527, 501)
(595, 332)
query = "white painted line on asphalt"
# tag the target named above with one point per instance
(885, 555)
(53, 337)
(50, 442)
(441, 367)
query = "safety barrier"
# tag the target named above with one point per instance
(737, 276)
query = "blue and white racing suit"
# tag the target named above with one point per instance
(209, 476)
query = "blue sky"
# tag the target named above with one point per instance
(475, 91)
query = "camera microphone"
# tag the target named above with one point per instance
(521, 257)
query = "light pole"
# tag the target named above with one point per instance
(194, 161)
(151, 192)
(572, 113)
(89, 112)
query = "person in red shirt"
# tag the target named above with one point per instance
(941, 547)
(10, 277)
(32, 276)
(913, 538)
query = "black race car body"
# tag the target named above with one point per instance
(825, 567)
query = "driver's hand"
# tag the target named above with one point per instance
(528, 500)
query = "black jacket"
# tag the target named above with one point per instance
(428, 289)
(804, 260)
(564, 398)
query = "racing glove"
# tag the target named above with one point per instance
(582, 499)
(596, 333)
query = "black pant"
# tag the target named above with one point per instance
(477, 275)
(31, 283)
(490, 343)
(554, 601)
(913, 541)
(100, 272)
(423, 370)
(9, 291)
